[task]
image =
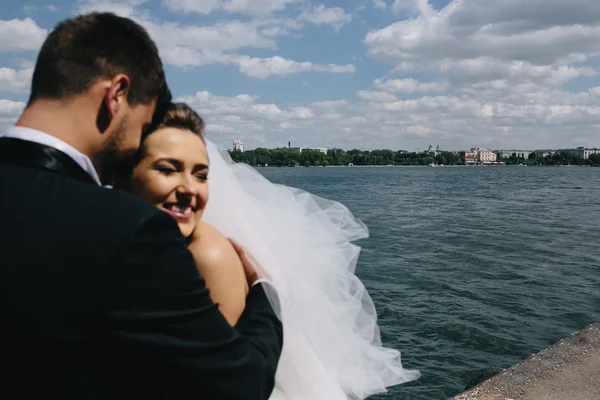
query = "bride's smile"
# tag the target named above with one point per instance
(172, 175)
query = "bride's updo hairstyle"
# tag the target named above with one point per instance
(176, 115)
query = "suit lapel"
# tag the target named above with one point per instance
(34, 155)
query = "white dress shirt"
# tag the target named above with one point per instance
(33, 135)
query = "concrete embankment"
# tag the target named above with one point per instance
(567, 370)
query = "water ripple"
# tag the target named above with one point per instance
(471, 269)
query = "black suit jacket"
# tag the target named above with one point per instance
(100, 298)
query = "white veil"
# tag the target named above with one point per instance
(332, 346)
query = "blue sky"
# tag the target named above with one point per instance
(399, 74)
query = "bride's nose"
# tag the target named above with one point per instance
(186, 185)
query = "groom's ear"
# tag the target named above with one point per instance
(116, 96)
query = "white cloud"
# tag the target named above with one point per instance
(238, 109)
(205, 7)
(20, 35)
(214, 39)
(498, 73)
(192, 45)
(332, 116)
(487, 68)
(412, 6)
(462, 31)
(301, 112)
(124, 8)
(9, 112)
(379, 4)
(192, 6)
(267, 110)
(409, 86)
(31, 9)
(376, 96)
(256, 7)
(453, 121)
(11, 108)
(243, 115)
(330, 104)
(321, 15)
(265, 67)
(255, 67)
(287, 125)
(16, 81)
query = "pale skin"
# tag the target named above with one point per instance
(172, 175)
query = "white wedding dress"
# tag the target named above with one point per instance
(332, 347)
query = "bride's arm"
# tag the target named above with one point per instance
(219, 265)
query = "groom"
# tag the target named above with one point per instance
(99, 296)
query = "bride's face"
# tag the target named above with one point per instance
(172, 175)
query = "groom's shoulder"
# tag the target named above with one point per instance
(120, 204)
(121, 213)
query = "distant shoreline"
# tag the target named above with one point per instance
(428, 166)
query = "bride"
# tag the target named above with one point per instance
(300, 242)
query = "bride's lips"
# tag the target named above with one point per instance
(176, 212)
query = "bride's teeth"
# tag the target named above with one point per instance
(182, 210)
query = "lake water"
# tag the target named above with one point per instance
(471, 268)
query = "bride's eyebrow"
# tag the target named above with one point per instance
(200, 167)
(178, 164)
(173, 161)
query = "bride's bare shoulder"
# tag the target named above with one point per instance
(220, 266)
(212, 245)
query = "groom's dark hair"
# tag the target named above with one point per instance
(82, 50)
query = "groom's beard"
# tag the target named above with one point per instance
(112, 154)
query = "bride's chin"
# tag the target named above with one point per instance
(186, 230)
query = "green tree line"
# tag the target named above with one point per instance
(291, 158)
(558, 158)
(307, 158)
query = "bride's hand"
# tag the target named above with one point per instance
(248, 261)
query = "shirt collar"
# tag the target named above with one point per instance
(33, 135)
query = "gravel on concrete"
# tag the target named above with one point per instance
(567, 370)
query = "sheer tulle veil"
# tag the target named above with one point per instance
(303, 243)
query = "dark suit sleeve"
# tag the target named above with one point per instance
(161, 316)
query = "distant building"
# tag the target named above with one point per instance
(471, 157)
(544, 153)
(515, 153)
(432, 153)
(485, 155)
(238, 145)
(583, 153)
(321, 149)
(300, 149)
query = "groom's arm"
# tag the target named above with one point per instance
(160, 312)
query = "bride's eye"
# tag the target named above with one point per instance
(202, 177)
(164, 169)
